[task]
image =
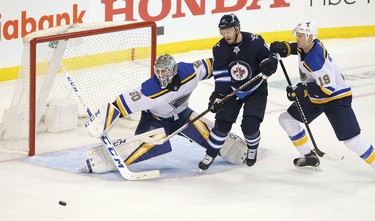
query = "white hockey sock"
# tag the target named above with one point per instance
(296, 133)
(362, 148)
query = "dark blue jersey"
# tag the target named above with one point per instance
(235, 64)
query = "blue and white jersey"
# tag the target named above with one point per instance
(236, 64)
(165, 104)
(323, 77)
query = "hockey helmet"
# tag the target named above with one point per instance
(307, 28)
(228, 21)
(165, 69)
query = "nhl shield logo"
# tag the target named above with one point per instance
(240, 70)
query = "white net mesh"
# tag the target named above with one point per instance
(102, 65)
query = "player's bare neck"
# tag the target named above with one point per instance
(239, 38)
(308, 47)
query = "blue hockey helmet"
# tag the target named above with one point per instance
(228, 21)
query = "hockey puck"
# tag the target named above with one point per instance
(62, 203)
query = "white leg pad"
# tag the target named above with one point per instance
(99, 160)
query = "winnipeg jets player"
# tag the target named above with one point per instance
(238, 57)
(163, 101)
(322, 89)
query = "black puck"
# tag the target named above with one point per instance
(62, 203)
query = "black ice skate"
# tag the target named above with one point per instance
(251, 158)
(309, 162)
(205, 163)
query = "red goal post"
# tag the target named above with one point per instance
(104, 59)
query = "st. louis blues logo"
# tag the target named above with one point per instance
(240, 70)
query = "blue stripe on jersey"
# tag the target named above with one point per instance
(123, 105)
(208, 67)
(222, 76)
(334, 96)
(327, 90)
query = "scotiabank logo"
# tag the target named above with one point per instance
(18, 28)
(166, 9)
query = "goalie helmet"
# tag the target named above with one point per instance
(165, 69)
(307, 28)
(228, 21)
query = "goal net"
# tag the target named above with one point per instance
(103, 59)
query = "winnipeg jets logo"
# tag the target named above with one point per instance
(240, 70)
(236, 49)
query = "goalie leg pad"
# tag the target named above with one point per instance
(99, 160)
(102, 121)
(234, 149)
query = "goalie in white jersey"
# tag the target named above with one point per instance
(322, 89)
(163, 101)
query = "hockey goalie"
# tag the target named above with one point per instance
(163, 103)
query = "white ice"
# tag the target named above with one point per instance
(271, 190)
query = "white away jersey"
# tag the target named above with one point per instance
(165, 104)
(318, 66)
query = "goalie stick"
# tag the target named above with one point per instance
(208, 109)
(303, 117)
(116, 158)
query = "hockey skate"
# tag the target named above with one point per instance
(308, 162)
(251, 158)
(205, 163)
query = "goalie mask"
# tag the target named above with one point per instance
(165, 69)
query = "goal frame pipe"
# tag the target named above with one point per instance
(57, 37)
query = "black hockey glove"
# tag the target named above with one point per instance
(281, 47)
(214, 105)
(268, 66)
(300, 90)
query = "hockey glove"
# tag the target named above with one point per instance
(214, 105)
(281, 47)
(268, 66)
(300, 90)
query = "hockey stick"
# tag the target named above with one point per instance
(208, 109)
(116, 158)
(303, 117)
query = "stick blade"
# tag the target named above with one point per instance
(332, 157)
(146, 175)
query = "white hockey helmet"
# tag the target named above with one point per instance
(307, 28)
(165, 69)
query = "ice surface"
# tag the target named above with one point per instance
(271, 190)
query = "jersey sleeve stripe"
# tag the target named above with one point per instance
(208, 67)
(188, 78)
(125, 110)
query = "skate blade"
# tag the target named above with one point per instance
(310, 168)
